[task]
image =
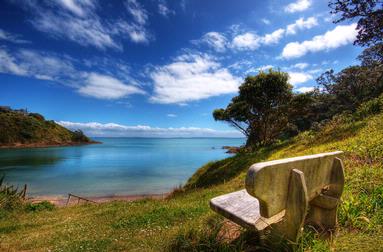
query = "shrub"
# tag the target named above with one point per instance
(36, 207)
(10, 197)
(372, 107)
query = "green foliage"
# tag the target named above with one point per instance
(260, 109)
(372, 107)
(22, 128)
(369, 14)
(352, 86)
(79, 136)
(40, 206)
(186, 223)
(11, 197)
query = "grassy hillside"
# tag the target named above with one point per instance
(185, 222)
(20, 128)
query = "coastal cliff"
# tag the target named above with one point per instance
(19, 128)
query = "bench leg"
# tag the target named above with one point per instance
(296, 207)
(323, 209)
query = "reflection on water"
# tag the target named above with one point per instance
(118, 166)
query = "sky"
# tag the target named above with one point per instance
(158, 68)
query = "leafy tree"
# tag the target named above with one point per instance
(352, 86)
(372, 56)
(370, 14)
(260, 110)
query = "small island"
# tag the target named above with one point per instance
(21, 129)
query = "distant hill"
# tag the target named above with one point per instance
(19, 128)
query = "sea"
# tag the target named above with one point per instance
(118, 166)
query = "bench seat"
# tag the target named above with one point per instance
(243, 209)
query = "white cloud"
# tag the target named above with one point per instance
(265, 21)
(114, 130)
(273, 37)
(46, 66)
(301, 24)
(215, 40)
(191, 77)
(106, 87)
(299, 77)
(305, 89)
(171, 115)
(36, 65)
(77, 7)
(253, 70)
(297, 6)
(163, 9)
(9, 65)
(247, 40)
(79, 22)
(251, 41)
(339, 36)
(137, 11)
(137, 33)
(301, 65)
(11, 37)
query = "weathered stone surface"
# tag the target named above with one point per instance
(296, 207)
(243, 209)
(269, 181)
(287, 193)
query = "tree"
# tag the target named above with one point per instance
(370, 14)
(352, 86)
(372, 56)
(260, 110)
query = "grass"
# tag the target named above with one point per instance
(184, 221)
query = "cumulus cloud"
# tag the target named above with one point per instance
(297, 6)
(273, 37)
(251, 41)
(296, 78)
(248, 40)
(191, 77)
(339, 36)
(106, 87)
(117, 130)
(171, 115)
(215, 40)
(301, 24)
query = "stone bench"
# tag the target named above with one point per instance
(285, 194)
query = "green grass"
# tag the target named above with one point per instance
(184, 222)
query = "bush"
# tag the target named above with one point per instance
(36, 207)
(10, 197)
(372, 107)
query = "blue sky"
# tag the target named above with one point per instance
(158, 67)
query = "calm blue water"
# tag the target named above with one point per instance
(118, 166)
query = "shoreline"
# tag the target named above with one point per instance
(45, 145)
(61, 201)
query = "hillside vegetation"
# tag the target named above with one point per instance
(20, 128)
(184, 222)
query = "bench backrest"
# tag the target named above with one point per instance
(269, 181)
